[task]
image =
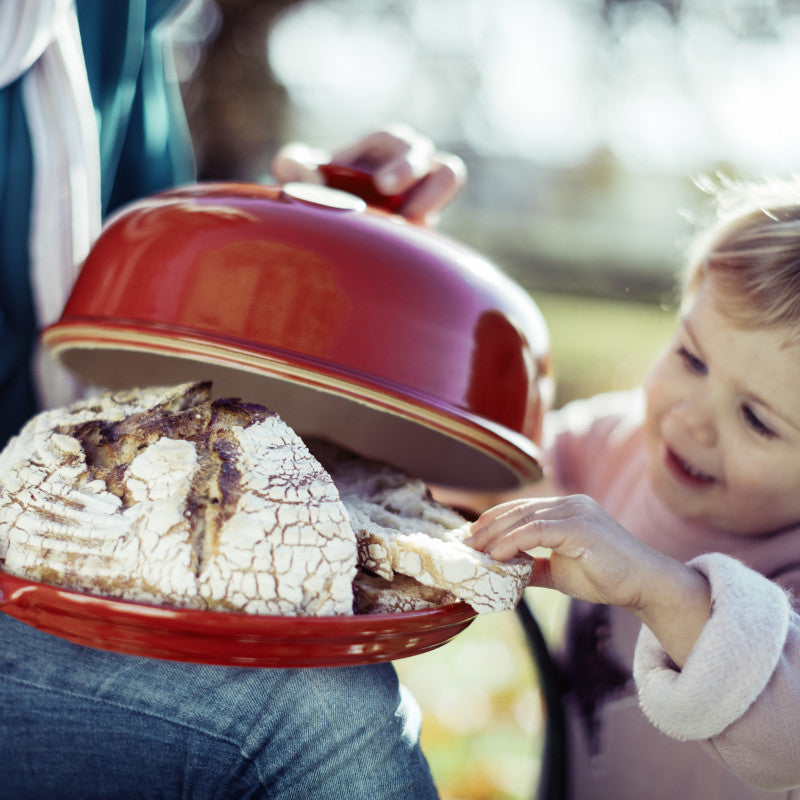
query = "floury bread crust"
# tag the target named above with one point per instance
(164, 496)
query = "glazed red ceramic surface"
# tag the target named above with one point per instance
(227, 639)
(351, 322)
(354, 325)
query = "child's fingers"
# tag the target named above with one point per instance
(494, 524)
(522, 526)
(560, 524)
(530, 533)
(502, 519)
(490, 525)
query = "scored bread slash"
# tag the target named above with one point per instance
(167, 496)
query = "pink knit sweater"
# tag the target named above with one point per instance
(727, 726)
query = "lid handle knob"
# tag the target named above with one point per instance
(360, 182)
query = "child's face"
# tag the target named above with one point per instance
(723, 421)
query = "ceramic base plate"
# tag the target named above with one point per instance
(228, 639)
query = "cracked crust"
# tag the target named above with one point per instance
(166, 496)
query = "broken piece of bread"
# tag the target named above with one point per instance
(402, 531)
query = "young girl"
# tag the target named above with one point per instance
(679, 507)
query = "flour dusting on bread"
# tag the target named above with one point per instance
(167, 496)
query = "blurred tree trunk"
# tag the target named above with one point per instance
(235, 106)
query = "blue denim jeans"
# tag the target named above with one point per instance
(76, 722)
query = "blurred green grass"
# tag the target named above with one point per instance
(599, 344)
(482, 709)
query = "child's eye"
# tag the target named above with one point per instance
(692, 362)
(756, 424)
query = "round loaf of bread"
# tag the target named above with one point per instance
(165, 496)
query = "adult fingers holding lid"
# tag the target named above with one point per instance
(403, 161)
(400, 160)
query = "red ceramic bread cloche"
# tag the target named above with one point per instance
(351, 322)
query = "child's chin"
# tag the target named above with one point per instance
(677, 497)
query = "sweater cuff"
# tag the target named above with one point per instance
(729, 665)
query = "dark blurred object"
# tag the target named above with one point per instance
(235, 106)
(553, 780)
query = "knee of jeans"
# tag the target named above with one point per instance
(341, 704)
(370, 704)
(336, 721)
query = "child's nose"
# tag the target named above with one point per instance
(697, 417)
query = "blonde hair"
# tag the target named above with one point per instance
(752, 250)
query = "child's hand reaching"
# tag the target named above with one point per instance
(594, 558)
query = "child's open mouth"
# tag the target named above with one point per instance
(685, 472)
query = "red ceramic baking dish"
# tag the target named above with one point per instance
(351, 322)
(229, 639)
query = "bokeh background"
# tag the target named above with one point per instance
(588, 127)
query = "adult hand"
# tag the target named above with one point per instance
(400, 160)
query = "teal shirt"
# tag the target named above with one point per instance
(144, 147)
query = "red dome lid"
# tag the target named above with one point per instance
(350, 322)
